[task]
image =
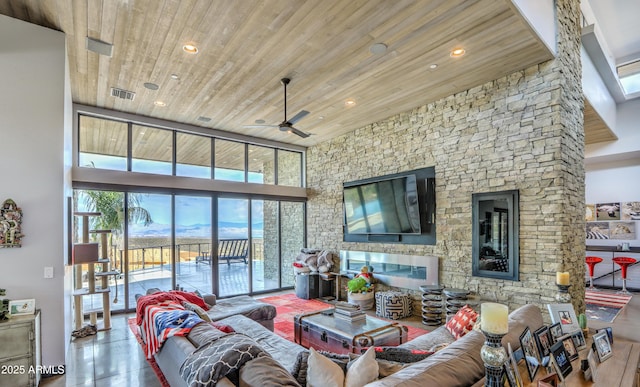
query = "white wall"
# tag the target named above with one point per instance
(596, 91)
(33, 125)
(616, 181)
(628, 131)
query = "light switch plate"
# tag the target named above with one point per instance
(48, 272)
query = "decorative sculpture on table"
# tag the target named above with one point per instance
(10, 224)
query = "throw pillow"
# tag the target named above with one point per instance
(462, 322)
(364, 370)
(265, 371)
(223, 327)
(400, 355)
(322, 372)
(195, 308)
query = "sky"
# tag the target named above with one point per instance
(192, 212)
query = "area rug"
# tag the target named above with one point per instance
(288, 306)
(152, 362)
(603, 306)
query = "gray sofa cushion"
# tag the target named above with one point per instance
(204, 333)
(459, 364)
(244, 305)
(429, 340)
(265, 372)
(284, 351)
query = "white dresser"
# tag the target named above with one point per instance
(20, 356)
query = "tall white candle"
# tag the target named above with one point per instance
(494, 318)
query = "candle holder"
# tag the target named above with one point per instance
(494, 356)
(563, 296)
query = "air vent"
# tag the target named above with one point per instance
(204, 119)
(123, 94)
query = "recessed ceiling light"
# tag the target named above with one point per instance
(190, 49)
(151, 86)
(433, 66)
(350, 102)
(160, 103)
(260, 122)
(457, 53)
(378, 48)
(321, 117)
(175, 76)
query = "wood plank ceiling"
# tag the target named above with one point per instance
(246, 47)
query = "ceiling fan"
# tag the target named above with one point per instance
(287, 125)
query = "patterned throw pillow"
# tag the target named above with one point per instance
(462, 322)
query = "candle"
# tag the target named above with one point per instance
(562, 278)
(494, 318)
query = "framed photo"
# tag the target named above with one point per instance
(555, 331)
(508, 373)
(571, 349)
(593, 363)
(560, 359)
(543, 341)
(549, 380)
(528, 345)
(565, 315)
(514, 365)
(578, 340)
(609, 331)
(603, 347)
(19, 307)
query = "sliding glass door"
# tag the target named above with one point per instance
(265, 251)
(193, 243)
(233, 250)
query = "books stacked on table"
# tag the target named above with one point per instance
(349, 312)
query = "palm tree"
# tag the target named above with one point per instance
(111, 205)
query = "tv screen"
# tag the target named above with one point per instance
(387, 206)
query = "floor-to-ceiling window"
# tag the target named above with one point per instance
(174, 233)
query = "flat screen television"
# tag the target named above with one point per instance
(388, 206)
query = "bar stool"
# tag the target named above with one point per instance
(592, 262)
(624, 262)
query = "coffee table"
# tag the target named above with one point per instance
(322, 331)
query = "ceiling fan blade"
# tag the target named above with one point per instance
(260, 126)
(299, 132)
(302, 114)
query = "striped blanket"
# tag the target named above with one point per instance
(163, 320)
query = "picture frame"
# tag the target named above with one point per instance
(560, 359)
(578, 340)
(509, 375)
(570, 347)
(609, 331)
(530, 350)
(592, 359)
(565, 315)
(514, 366)
(549, 380)
(602, 345)
(555, 331)
(543, 340)
(24, 307)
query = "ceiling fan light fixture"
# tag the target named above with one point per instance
(190, 48)
(457, 53)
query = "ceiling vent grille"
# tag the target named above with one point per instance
(123, 94)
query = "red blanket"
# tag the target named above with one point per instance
(174, 295)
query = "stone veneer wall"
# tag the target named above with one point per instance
(523, 131)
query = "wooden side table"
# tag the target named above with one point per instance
(621, 369)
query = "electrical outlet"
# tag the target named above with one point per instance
(48, 272)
